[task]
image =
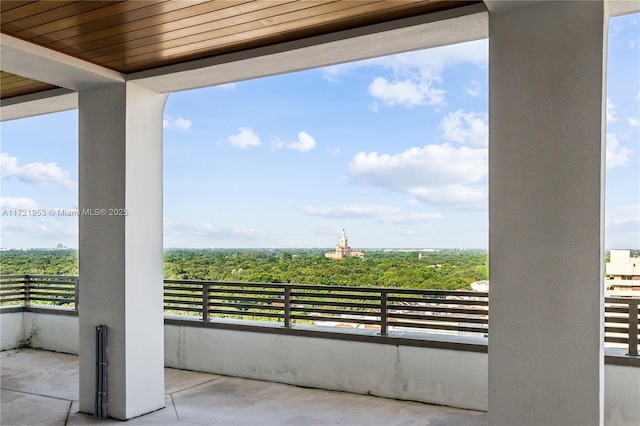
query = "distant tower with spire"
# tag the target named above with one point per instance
(343, 250)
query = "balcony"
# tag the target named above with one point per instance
(415, 345)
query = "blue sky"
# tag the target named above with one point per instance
(392, 149)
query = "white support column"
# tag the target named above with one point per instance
(546, 169)
(121, 275)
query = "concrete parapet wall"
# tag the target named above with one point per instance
(621, 395)
(53, 329)
(57, 333)
(11, 329)
(444, 377)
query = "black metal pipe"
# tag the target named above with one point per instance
(101, 371)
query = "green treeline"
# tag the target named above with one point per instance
(39, 262)
(446, 269)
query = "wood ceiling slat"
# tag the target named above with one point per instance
(177, 34)
(85, 29)
(88, 20)
(30, 87)
(25, 91)
(31, 8)
(8, 78)
(22, 83)
(310, 25)
(62, 12)
(6, 6)
(150, 35)
(15, 85)
(171, 12)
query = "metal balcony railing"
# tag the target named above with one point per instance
(383, 309)
(52, 290)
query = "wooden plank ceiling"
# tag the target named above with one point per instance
(130, 36)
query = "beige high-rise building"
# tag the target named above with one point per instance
(622, 274)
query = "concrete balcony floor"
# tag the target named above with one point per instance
(41, 387)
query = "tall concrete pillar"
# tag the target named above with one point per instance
(120, 247)
(546, 168)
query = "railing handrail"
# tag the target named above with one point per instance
(332, 287)
(43, 276)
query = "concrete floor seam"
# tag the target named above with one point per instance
(175, 409)
(194, 386)
(68, 413)
(37, 394)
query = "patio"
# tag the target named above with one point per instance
(41, 387)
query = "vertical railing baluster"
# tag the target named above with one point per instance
(384, 317)
(27, 290)
(287, 306)
(76, 295)
(206, 294)
(633, 327)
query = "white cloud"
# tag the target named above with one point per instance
(430, 165)
(622, 227)
(435, 174)
(32, 228)
(383, 214)
(244, 139)
(351, 211)
(415, 74)
(304, 143)
(427, 62)
(37, 173)
(616, 155)
(9, 164)
(185, 233)
(463, 196)
(412, 218)
(334, 151)
(17, 203)
(611, 113)
(634, 122)
(407, 93)
(227, 86)
(179, 123)
(466, 127)
(627, 217)
(278, 143)
(173, 227)
(474, 89)
(324, 228)
(38, 231)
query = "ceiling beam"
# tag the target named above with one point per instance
(622, 7)
(55, 100)
(613, 7)
(49, 66)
